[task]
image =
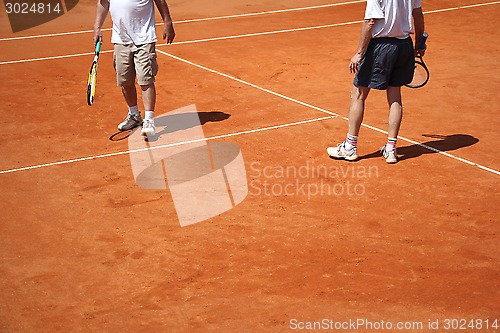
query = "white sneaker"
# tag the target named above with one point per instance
(340, 152)
(148, 127)
(390, 156)
(130, 121)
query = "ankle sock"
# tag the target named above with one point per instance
(391, 144)
(351, 141)
(149, 115)
(134, 110)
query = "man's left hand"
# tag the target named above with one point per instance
(168, 32)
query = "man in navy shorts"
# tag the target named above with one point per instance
(385, 60)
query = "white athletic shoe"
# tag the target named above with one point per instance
(390, 156)
(148, 127)
(130, 121)
(340, 152)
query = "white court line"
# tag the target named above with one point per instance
(194, 41)
(215, 18)
(327, 112)
(244, 35)
(242, 15)
(90, 158)
(252, 85)
(52, 58)
(266, 33)
(462, 7)
(252, 131)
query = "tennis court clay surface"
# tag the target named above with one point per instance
(85, 249)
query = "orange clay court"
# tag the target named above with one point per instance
(84, 249)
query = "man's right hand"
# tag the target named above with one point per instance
(102, 9)
(420, 52)
(97, 35)
(354, 63)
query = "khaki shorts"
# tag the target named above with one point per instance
(131, 60)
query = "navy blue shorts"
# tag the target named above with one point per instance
(387, 62)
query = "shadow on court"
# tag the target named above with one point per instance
(180, 124)
(443, 143)
(121, 135)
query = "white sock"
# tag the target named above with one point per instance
(391, 144)
(134, 110)
(351, 142)
(150, 115)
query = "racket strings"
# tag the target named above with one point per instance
(420, 76)
(92, 84)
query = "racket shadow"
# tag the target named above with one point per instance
(121, 135)
(443, 143)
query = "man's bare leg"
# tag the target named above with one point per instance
(133, 118)
(395, 118)
(149, 100)
(347, 149)
(357, 109)
(395, 110)
(130, 94)
(149, 97)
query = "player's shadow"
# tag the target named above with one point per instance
(177, 122)
(444, 143)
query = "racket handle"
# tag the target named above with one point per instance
(422, 41)
(98, 47)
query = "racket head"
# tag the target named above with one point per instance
(93, 75)
(420, 76)
(92, 83)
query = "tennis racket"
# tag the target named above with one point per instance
(421, 74)
(93, 75)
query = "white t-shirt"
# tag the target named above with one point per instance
(395, 17)
(133, 21)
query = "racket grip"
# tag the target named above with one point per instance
(422, 41)
(98, 46)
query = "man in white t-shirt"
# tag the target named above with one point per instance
(134, 39)
(385, 60)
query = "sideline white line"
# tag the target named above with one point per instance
(52, 58)
(462, 7)
(244, 35)
(278, 11)
(273, 127)
(239, 16)
(327, 112)
(215, 18)
(315, 27)
(90, 158)
(251, 85)
(194, 41)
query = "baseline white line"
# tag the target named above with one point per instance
(326, 111)
(215, 18)
(245, 35)
(90, 158)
